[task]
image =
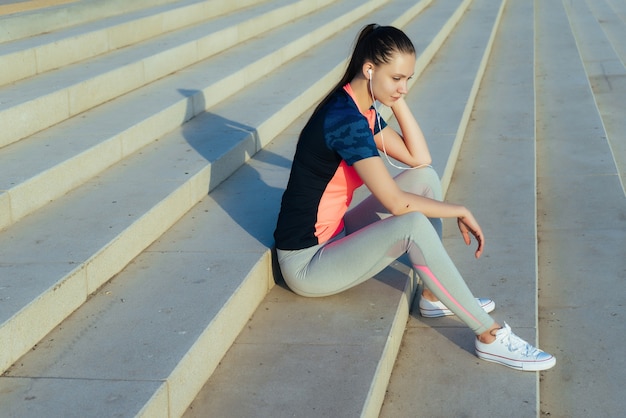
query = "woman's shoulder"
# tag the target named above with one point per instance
(338, 117)
(341, 109)
(340, 99)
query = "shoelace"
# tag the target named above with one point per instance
(515, 343)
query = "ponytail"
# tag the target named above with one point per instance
(376, 44)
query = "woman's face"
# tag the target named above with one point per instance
(389, 80)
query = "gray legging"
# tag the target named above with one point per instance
(372, 240)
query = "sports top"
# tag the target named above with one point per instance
(322, 179)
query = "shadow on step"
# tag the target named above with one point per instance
(251, 190)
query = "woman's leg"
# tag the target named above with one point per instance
(421, 181)
(352, 259)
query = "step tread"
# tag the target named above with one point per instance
(606, 70)
(612, 25)
(295, 347)
(581, 224)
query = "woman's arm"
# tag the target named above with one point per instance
(375, 176)
(409, 148)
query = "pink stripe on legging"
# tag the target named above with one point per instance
(430, 274)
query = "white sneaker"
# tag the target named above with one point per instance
(429, 309)
(510, 350)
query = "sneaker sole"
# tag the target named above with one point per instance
(525, 366)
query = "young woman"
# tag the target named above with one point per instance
(324, 249)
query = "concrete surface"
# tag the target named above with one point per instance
(581, 212)
(580, 221)
(152, 210)
(541, 165)
(236, 389)
(437, 372)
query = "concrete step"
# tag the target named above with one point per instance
(145, 343)
(8, 7)
(601, 41)
(22, 19)
(569, 153)
(581, 207)
(67, 250)
(33, 55)
(611, 16)
(494, 177)
(333, 356)
(26, 106)
(231, 227)
(120, 127)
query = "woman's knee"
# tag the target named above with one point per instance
(422, 181)
(434, 182)
(415, 221)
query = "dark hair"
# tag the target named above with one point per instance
(377, 44)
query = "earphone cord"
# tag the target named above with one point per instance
(382, 137)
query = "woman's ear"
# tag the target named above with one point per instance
(368, 70)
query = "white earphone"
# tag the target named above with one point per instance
(380, 130)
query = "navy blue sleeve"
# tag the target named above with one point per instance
(348, 134)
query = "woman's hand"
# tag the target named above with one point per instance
(467, 224)
(410, 146)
